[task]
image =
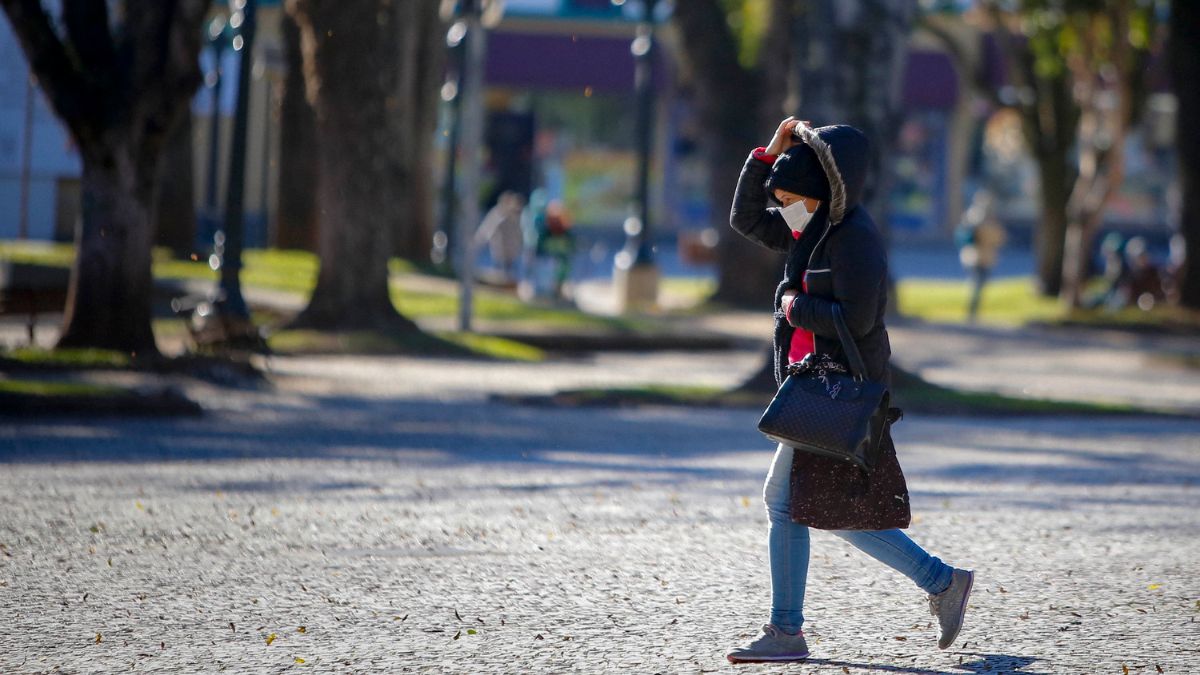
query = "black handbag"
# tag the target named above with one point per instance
(822, 409)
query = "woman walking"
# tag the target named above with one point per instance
(815, 178)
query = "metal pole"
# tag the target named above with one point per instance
(635, 276)
(265, 166)
(230, 298)
(444, 251)
(217, 38)
(472, 140)
(26, 159)
(643, 51)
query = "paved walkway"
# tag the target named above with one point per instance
(382, 515)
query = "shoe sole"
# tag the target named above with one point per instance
(962, 611)
(768, 659)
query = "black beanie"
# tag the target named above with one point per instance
(799, 171)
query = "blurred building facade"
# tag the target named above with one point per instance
(559, 81)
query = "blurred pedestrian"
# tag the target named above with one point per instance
(501, 231)
(558, 244)
(980, 237)
(550, 246)
(834, 255)
(1115, 274)
(1145, 282)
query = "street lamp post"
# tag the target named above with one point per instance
(233, 304)
(226, 319)
(218, 38)
(475, 14)
(635, 274)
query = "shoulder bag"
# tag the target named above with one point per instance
(822, 409)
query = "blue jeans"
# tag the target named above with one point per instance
(787, 542)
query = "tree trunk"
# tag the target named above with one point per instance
(297, 206)
(350, 69)
(1052, 228)
(1184, 54)
(108, 301)
(730, 100)
(175, 208)
(421, 54)
(120, 84)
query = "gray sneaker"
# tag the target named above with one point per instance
(774, 645)
(950, 605)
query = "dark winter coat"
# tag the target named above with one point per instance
(840, 258)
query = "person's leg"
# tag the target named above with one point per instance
(894, 549)
(787, 544)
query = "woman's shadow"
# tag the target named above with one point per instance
(972, 663)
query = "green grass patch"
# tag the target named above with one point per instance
(657, 394)
(914, 394)
(68, 358)
(452, 344)
(1006, 301)
(495, 348)
(55, 388)
(911, 393)
(690, 291)
(37, 253)
(281, 270)
(491, 306)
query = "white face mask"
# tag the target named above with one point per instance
(797, 215)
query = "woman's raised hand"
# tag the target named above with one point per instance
(783, 138)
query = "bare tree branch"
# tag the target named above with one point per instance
(49, 60)
(86, 22)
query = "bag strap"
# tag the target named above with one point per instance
(857, 368)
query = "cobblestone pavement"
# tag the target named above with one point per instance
(381, 515)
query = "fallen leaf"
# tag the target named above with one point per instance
(1003, 589)
(844, 668)
(298, 660)
(271, 638)
(457, 616)
(901, 638)
(1124, 669)
(139, 506)
(110, 562)
(1158, 668)
(99, 638)
(302, 629)
(458, 635)
(746, 501)
(231, 627)
(538, 637)
(472, 631)
(399, 618)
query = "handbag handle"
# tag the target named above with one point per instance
(857, 368)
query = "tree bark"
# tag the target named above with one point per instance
(175, 208)
(1184, 55)
(297, 195)
(1050, 237)
(350, 76)
(421, 57)
(1102, 133)
(108, 301)
(729, 101)
(120, 84)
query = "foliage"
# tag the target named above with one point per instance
(56, 388)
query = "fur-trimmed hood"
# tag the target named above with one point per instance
(844, 153)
